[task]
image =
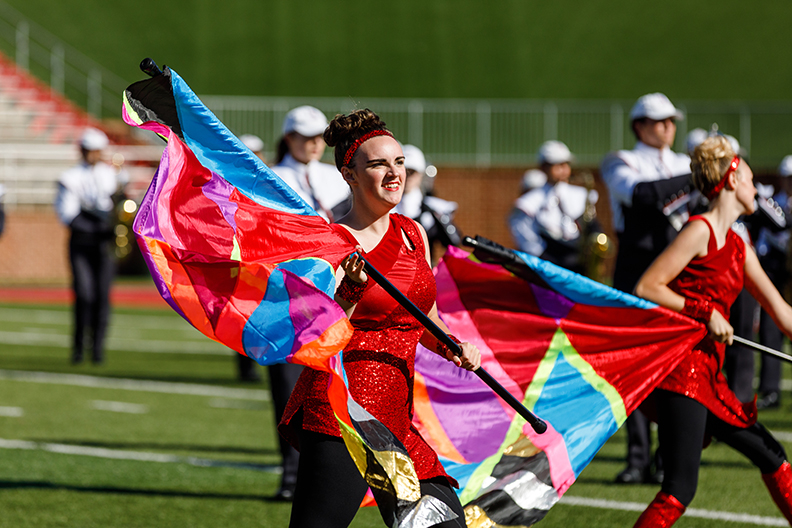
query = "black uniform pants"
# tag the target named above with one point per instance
(283, 378)
(739, 362)
(630, 265)
(92, 273)
(330, 488)
(684, 423)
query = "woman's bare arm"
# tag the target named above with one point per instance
(653, 285)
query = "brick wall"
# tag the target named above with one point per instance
(33, 248)
(485, 197)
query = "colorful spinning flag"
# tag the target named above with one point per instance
(241, 257)
(580, 355)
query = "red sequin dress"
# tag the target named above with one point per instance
(717, 278)
(380, 358)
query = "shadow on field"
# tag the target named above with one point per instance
(713, 463)
(44, 485)
(609, 480)
(161, 445)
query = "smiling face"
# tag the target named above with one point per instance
(377, 174)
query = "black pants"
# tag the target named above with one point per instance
(639, 442)
(630, 265)
(739, 362)
(684, 422)
(283, 378)
(330, 488)
(92, 271)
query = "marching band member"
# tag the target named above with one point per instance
(545, 221)
(649, 189)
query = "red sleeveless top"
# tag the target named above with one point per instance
(380, 357)
(717, 278)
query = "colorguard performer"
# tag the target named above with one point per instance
(380, 356)
(700, 275)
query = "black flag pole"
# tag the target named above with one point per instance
(536, 423)
(762, 348)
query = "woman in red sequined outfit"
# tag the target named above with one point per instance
(700, 275)
(379, 359)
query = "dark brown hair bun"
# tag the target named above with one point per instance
(344, 130)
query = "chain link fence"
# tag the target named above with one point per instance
(67, 71)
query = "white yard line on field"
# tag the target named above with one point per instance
(65, 318)
(12, 412)
(783, 436)
(143, 456)
(62, 340)
(140, 456)
(691, 512)
(223, 403)
(119, 407)
(80, 380)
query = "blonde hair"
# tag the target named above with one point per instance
(709, 163)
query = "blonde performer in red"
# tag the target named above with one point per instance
(700, 275)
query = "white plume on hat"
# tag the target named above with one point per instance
(414, 158)
(532, 179)
(654, 106)
(785, 168)
(252, 142)
(554, 152)
(94, 139)
(735, 145)
(305, 120)
(695, 138)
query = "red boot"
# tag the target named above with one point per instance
(662, 512)
(780, 486)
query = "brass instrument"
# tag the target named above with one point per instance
(595, 245)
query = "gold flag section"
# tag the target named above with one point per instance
(475, 517)
(522, 447)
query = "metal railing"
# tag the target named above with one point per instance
(29, 172)
(487, 133)
(68, 71)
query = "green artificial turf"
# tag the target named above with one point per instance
(233, 437)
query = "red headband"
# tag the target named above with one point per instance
(735, 162)
(362, 139)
